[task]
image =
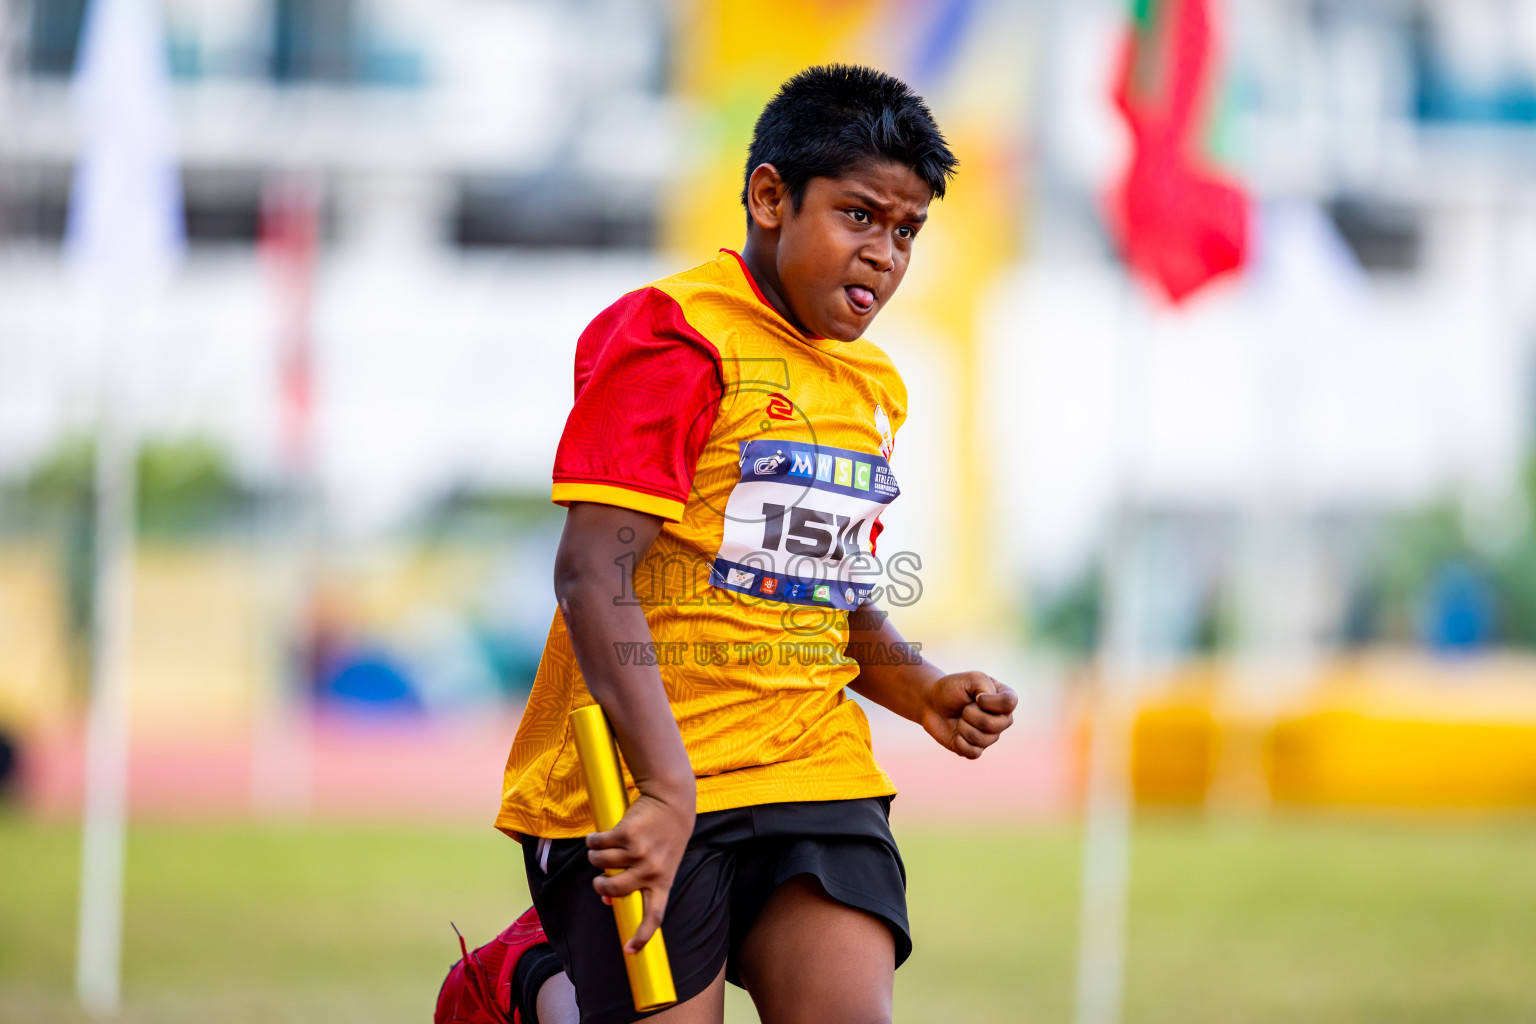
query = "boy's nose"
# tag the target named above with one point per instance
(879, 255)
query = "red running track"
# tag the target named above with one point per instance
(378, 768)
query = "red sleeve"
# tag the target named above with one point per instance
(648, 388)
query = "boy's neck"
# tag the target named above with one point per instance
(760, 254)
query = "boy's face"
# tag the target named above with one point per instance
(842, 255)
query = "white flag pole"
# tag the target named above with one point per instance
(125, 234)
(98, 967)
(1108, 811)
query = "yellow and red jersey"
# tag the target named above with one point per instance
(765, 450)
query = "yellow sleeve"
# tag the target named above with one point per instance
(606, 494)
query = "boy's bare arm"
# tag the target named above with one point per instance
(599, 548)
(964, 711)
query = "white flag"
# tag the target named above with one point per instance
(126, 226)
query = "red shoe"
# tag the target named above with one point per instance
(478, 990)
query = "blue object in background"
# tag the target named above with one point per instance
(368, 678)
(1461, 612)
(939, 46)
(1442, 93)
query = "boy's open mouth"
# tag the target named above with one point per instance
(861, 298)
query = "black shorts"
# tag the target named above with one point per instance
(734, 862)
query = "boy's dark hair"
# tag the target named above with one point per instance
(829, 118)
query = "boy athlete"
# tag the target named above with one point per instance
(724, 469)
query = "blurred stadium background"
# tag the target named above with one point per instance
(344, 404)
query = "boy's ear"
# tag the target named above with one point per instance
(766, 196)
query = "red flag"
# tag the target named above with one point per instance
(289, 241)
(1180, 224)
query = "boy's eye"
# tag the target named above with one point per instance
(862, 216)
(906, 232)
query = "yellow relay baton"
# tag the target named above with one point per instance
(650, 975)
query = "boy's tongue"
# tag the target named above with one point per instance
(861, 296)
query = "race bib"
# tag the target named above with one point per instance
(797, 521)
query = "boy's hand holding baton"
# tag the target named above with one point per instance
(650, 975)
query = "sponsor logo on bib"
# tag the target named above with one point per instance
(768, 464)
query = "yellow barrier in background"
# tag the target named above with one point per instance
(1382, 731)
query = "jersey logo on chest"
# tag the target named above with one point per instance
(780, 408)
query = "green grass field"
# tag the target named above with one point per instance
(1313, 920)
